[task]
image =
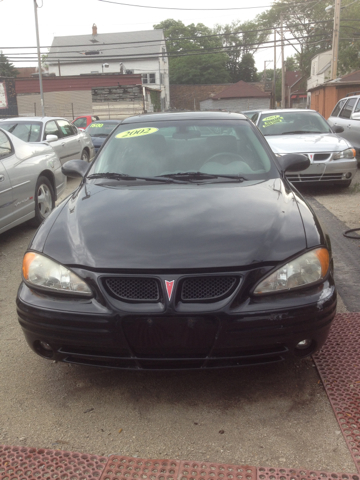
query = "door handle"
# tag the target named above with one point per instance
(2, 178)
(63, 144)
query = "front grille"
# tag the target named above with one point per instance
(207, 288)
(320, 157)
(316, 177)
(133, 289)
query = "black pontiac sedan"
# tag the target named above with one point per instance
(184, 247)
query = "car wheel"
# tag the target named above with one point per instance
(44, 200)
(85, 156)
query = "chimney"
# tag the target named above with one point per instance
(94, 29)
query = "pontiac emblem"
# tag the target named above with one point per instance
(169, 287)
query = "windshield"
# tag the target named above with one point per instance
(26, 131)
(213, 147)
(286, 123)
(98, 129)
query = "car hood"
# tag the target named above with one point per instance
(176, 226)
(307, 143)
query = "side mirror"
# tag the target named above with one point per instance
(75, 168)
(355, 116)
(293, 162)
(51, 138)
(337, 129)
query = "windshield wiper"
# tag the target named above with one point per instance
(203, 175)
(300, 131)
(125, 176)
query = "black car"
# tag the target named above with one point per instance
(100, 130)
(184, 246)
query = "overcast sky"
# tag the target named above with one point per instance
(75, 17)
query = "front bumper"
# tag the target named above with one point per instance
(254, 331)
(332, 171)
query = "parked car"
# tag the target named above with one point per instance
(84, 121)
(184, 246)
(99, 131)
(332, 158)
(251, 113)
(66, 140)
(30, 181)
(347, 115)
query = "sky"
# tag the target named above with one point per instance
(76, 17)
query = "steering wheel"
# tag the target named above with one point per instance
(224, 158)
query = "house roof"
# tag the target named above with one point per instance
(291, 78)
(351, 77)
(106, 46)
(241, 89)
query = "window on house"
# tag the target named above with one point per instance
(148, 78)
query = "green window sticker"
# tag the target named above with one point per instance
(96, 125)
(136, 132)
(272, 120)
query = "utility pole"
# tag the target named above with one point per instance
(274, 80)
(39, 60)
(282, 65)
(335, 42)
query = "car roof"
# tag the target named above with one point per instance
(285, 110)
(165, 116)
(106, 121)
(33, 119)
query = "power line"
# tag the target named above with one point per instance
(202, 52)
(202, 9)
(143, 42)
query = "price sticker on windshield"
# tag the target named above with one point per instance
(272, 120)
(136, 132)
(96, 125)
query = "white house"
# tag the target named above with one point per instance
(320, 69)
(141, 52)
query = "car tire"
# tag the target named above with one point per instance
(85, 155)
(44, 200)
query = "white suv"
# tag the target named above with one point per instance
(346, 114)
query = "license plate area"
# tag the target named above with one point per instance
(170, 337)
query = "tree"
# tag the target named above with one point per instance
(246, 68)
(311, 29)
(7, 69)
(240, 42)
(291, 64)
(195, 69)
(195, 53)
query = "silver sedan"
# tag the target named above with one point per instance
(332, 158)
(30, 181)
(68, 142)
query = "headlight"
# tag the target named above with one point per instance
(44, 273)
(348, 153)
(302, 271)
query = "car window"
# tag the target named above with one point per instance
(51, 128)
(26, 131)
(65, 128)
(347, 110)
(96, 129)
(80, 122)
(338, 107)
(357, 107)
(292, 122)
(254, 117)
(5, 145)
(213, 147)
